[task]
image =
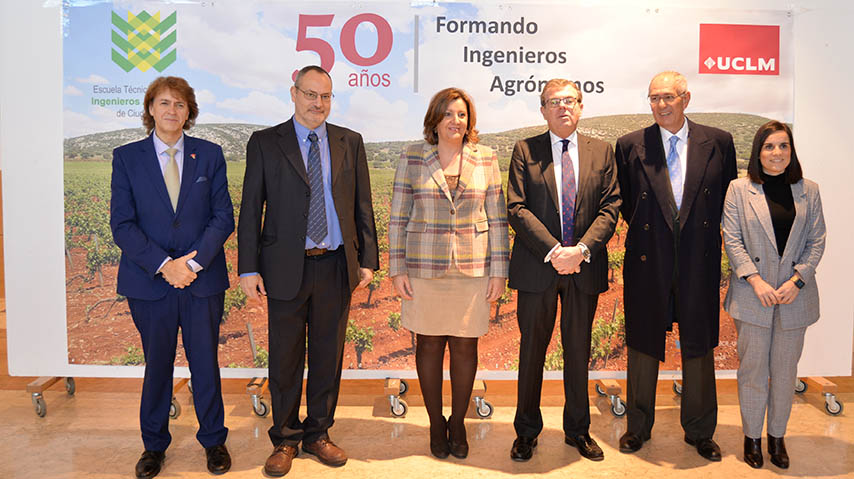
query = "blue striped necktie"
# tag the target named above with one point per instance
(567, 195)
(674, 167)
(317, 205)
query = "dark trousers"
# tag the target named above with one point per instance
(699, 411)
(157, 323)
(536, 315)
(321, 306)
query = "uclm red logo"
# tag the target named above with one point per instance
(739, 49)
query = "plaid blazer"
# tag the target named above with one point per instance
(426, 225)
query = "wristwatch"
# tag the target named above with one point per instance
(585, 252)
(798, 282)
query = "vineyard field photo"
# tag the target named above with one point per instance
(99, 326)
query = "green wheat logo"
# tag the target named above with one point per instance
(141, 41)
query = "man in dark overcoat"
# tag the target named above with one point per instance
(673, 178)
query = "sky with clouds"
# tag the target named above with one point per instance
(240, 57)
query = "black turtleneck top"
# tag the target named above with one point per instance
(778, 195)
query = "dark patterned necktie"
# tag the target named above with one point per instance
(317, 205)
(567, 195)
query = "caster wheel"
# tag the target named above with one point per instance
(677, 388)
(262, 410)
(70, 386)
(404, 387)
(400, 409)
(485, 410)
(833, 408)
(599, 390)
(618, 409)
(174, 409)
(800, 387)
(40, 406)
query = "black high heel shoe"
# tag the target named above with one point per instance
(457, 442)
(777, 450)
(753, 452)
(439, 439)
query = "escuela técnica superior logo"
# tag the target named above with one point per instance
(143, 41)
(739, 49)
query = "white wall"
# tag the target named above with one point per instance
(31, 156)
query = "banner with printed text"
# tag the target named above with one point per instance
(386, 60)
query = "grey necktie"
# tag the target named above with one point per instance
(674, 167)
(172, 178)
(317, 205)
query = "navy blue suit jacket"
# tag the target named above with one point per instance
(147, 230)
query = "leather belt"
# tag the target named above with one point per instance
(316, 251)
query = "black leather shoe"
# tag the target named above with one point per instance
(457, 442)
(631, 442)
(219, 460)
(707, 448)
(523, 448)
(439, 439)
(149, 464)
(777, 450)
(753, 452)
(586, 446)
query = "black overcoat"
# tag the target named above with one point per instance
(653, 265)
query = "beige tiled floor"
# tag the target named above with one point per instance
(95, 435)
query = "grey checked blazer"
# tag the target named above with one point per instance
(752, 248)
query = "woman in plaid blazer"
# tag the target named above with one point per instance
(449, 255)
(774, 236)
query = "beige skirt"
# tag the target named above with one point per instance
(453, 305)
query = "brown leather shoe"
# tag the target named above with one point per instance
(326, 451)
(279, 462)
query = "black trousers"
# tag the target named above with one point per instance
(536, 315)
(319, 311)
(699, 411)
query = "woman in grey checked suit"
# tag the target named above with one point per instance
(774, 235)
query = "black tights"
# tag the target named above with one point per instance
(429, 359)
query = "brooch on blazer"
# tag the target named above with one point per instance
(193, 156)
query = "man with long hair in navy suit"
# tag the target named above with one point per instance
(170, 215)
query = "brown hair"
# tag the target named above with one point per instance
(558, 83)
(436, 112)
(793, 171)
(181, 89)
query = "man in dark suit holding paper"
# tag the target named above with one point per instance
(170, 214)
(673, 176)
(309, 180)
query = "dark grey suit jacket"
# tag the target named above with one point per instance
(276, 185)
(532, 208)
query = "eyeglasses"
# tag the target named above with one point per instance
(569, 101)
(311, 96)
(668, 99)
